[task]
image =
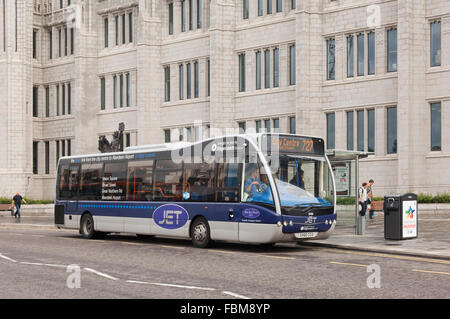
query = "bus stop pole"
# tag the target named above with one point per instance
(360, 220)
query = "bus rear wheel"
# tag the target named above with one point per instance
(87, 228)
(200, 233)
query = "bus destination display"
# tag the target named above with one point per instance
(293, 144)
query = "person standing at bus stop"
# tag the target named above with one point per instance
(17, 199)
(370, 199)
(363, 199)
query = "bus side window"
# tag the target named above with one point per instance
(227, 189)
(114, 181)
(74, 182)
(140, 183)
(168, 181)
(91, 181)
(63, 182)
(199, 182)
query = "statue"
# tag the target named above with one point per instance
(116, 145)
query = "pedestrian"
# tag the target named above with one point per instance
(363, 199)
(370, 199)
(17, 199)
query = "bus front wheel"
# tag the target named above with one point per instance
(200, 233)
(87, 228)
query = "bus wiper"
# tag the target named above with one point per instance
(306, 209)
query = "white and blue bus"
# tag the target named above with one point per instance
(256, 188)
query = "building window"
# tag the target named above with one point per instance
(50, 38)
(276, 125)
(293, 4)
(63, 91)
(371, 130)
(128, 89)
(57, 100)
(392, 130)
(350, 57)
(115, 91)
(436, 127)
(258, 70)
(59, 43)
(123, 29)
(167, 83)
(102, 93)
(266, 69)
(188, 81)
(269, 6)
(181, 134)
(330, 131)
(166, 136)
(69, 98)
(392, 50)
(181, 81)
(371, 53)
(435, 37)
(267, 125)
(183, 15)
(47, 157)
(360, 40)
(72, 41)
(57, 152)
(242, 127)
(260, 7)
(34, 44)
(209, 76)
(199, 14)
(127, 140)
(130, 26)
(116, 20)
(245, 9)
(196, 79)
(105, 31)
(191, 14)
(65, 41)
(292, 67)
(258, 126)
(242, 72)
(121, 90)
(292, 125)
(63, 148)
(279, 5)
(276, 68)
(69, 147)
(350, 133)
(47, 102)
(360, 132)
(330, 59)
(171, 18)
(35, 101)
(35, 157)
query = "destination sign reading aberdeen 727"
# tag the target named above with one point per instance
(293, 144)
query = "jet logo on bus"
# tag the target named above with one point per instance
(170, 216)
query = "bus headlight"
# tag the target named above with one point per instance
(279, 224)
(291, 223)
(285, 223)
(326, 222)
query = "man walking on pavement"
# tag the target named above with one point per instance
(17, 199)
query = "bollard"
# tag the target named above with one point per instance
(361, 225)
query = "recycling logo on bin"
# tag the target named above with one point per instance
(409, 219)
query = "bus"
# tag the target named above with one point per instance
(261, 188)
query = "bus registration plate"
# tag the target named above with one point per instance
(306, 235)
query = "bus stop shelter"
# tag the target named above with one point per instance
(345, 166)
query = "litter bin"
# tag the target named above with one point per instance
(400, 216)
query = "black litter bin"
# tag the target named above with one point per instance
(400, 216)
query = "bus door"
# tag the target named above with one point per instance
(227, 194)
(73, 188)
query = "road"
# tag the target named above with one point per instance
(34, 261)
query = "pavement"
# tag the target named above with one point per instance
(433, 239)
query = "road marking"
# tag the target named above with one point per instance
(100, 274)
(432, 272)
(410, 258)
(221, 251)
(33, 264)
(169, 285)
(7, 258)
(235, 295)
(348, 264)
(56, 266)
(167, 246)
(279, 257)
(128, 243)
